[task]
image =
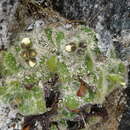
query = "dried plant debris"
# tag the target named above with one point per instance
(44, 120)
(83, 88)
(49, 76)
(85, 112)
(51, 91)
(78, 122)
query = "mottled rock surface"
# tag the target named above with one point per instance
(107, 17)
(10, 118)
(7, 20)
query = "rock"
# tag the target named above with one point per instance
(7, 20)
(106, 17)
(10, 118)
(36, 25)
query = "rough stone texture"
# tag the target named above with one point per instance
(7, 20)
(107, 17)
(10, 118)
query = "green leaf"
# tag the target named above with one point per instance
(48, 32)
(122, 68)
(32, 102)
(42, 60)
(100, 81)
(17, 48)
(59, 37)
(71, 102)
(102, 85)
(68, 115)
(3, 90)
(89, 62)
(90, 97)
(63, 72)
(86, 29)
(52, 64)
(15, 83)
(62, 68)
(53, 127)
(116, 78)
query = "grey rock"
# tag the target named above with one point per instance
(107, 17)
(104, 37)
(9, 117)
(7, 20)
(35, 25)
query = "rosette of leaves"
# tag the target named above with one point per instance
(104, 73)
